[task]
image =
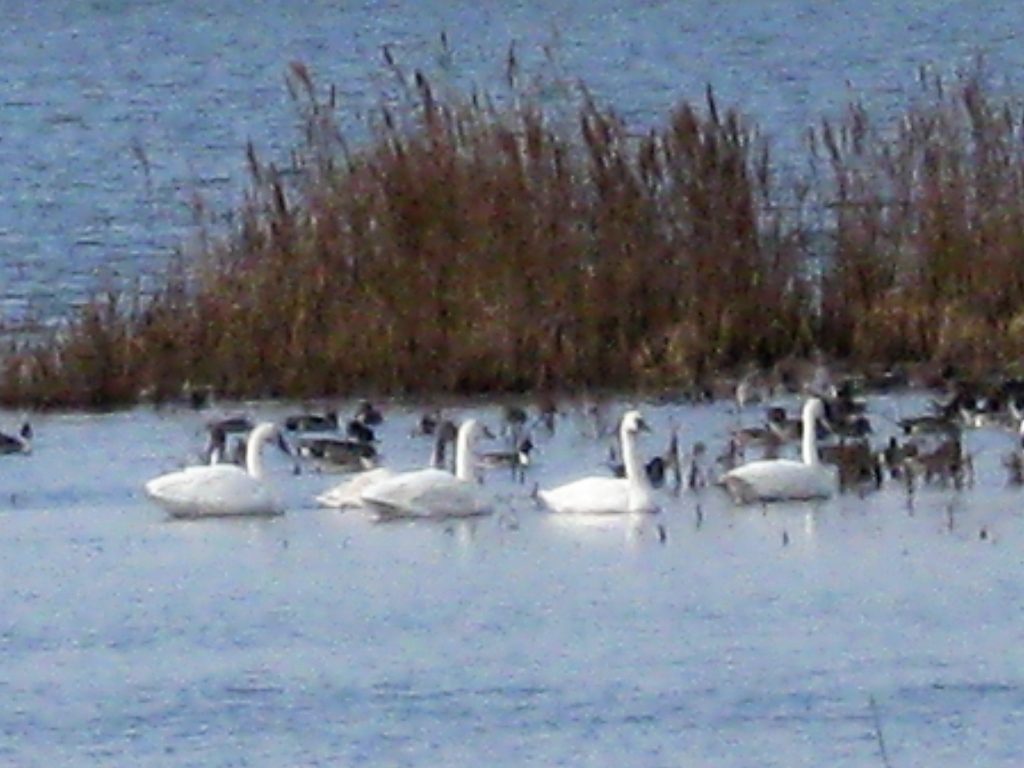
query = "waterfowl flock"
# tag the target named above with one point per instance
(805, 446)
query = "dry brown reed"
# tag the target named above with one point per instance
(467, 247)
(929, 230)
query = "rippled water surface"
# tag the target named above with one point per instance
(116, 116)
(745, 637)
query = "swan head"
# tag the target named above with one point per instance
(633, 423)
(472, 430)
(270, 434)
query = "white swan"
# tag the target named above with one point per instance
(350, 492)
(609, 495)
(787, 479)
(220, 490)
(433, 493)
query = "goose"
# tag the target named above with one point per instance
(514, 420)
(219, 450)
(338, 453)
(312, 422)
(516, 460)
(858, 464)
(369, 414)
(787, 479)
(221, 490)
(1014, 461)
(216, 448)
(20, 443)
(427, 424)
(609, 495)
(231, 425)
(433, 493)
(358, 430)
(349, 493)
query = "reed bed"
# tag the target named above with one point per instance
(473, 248)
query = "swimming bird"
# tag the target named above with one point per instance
(20, 443)
(858, 464)
(1014, 461)
(427, 423)
(358, 430)
(516, 460)
(231, 425)
(657, 467)
(349, 493)
(312, 422)
(787, 479)
(369, 414)
(338, 453)
(221, 490)
(433, 493)
(609, 495)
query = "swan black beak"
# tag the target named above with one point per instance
(642, 426)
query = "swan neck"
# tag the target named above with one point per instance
(810, 436)
(254, 452)
(635, 473)
(464, 454)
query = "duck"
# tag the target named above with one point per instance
(433, 493)
(19, 443)
(222, 490)
(349, 493)
(787, 479)
(598, 495)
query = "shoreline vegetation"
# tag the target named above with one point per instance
(469, 246)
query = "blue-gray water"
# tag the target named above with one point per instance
(116, 116)
(747, 637)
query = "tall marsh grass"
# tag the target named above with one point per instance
(468, 247)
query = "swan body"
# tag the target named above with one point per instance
(220, 490)
(425, 493)
(350, 492)
(432, 492)
(787, 479)
(608, 495)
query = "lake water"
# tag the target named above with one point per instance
(791, 636)
(116, 116)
